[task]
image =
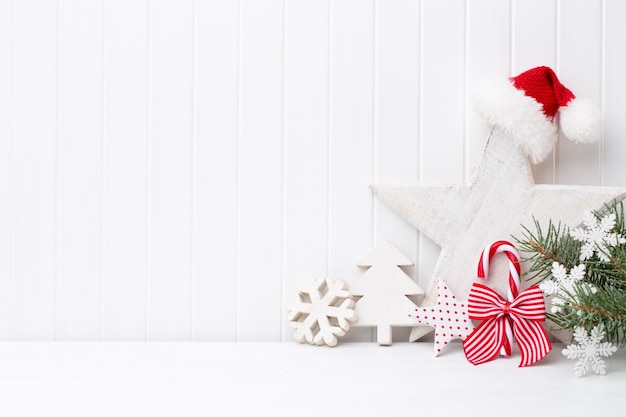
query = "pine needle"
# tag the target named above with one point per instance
(601, 297)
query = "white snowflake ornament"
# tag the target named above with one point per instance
(597, 236)
(589, 351)
(323, 310)
(561, 285)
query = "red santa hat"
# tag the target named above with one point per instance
(526, 107)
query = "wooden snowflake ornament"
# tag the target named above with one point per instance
(384, 288)
(323, 310)
(449, 317)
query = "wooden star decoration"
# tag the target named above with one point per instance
(449, 317)
(500, 198)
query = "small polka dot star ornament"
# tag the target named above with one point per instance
(449, 317)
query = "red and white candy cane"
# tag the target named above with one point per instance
(502, 246)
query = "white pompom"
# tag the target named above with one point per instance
(581, 121)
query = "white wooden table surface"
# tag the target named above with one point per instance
(352, 379)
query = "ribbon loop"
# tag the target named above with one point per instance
(524, 313)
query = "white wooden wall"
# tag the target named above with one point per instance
(174, 170)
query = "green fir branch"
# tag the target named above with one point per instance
(605, 305)
(584, 308)
(545, 248)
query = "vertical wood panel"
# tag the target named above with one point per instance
(536, 47)
(614, 150)
(489, 52)
(233, 154)
(396, 112)
(396, 119)
(80, 171)
(306, 145)
(351, 138)
(125, 169)
(35, 112)
(442, 104)
(260, 175)
(580, 70)
(443, 91)
(215, 248)
(532, 48)
(171, 70)
(6, 168)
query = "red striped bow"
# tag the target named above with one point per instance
(525, 314)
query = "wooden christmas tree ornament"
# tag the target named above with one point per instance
(383, 289)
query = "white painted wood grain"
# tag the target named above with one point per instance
(384, 292)
(351, 139)
(396, 107)
(614, 85)
(443, 89)
(34, 162)
(580, 70)
(258, 297)
(213, 153)
(125, 167)
(532, 48)
(442, 108)
(79, 158)
(6, 169)
(305, 246)
(170, 136)
(215, 170)
(488, 43)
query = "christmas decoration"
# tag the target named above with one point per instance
(593, 293)
(525, 106)
(585, 279)
(502, 246)
(501, 195)
(562, 284)
(597, 236)
(589, 351)
(500, 198)
(522, 312)
(486, 257)
(384, 288)
(449, 317)
(324, 310)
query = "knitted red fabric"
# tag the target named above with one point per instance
(542, 84)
